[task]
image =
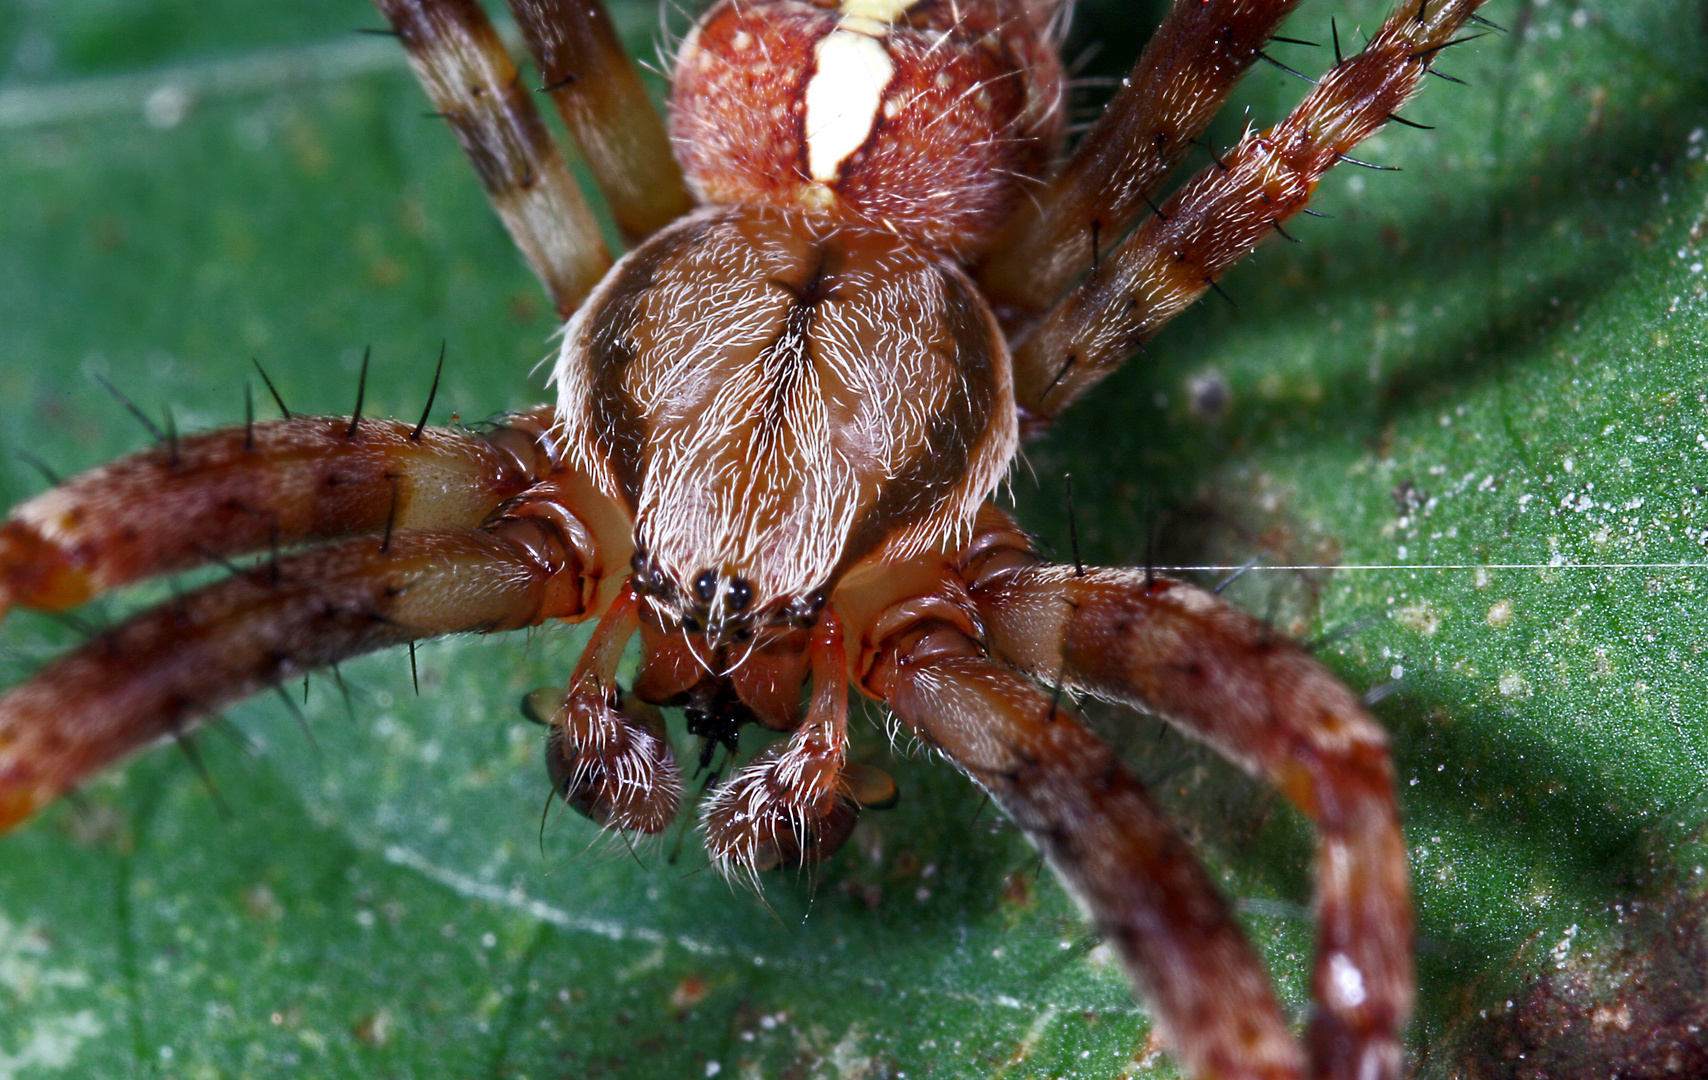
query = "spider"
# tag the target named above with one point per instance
(783, 839)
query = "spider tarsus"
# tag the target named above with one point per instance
(271, 389)
(432, 395)
(361, 395)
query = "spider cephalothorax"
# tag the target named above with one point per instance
(779, 423)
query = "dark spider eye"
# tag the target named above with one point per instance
(804, 609)
(740, 594)
(706, 585)
(691, 624)
(645, 576)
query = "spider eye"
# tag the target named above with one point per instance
(740, 594)
(803, 610)
(647, 576)
(706, 585)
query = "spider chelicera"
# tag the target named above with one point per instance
(779, 423)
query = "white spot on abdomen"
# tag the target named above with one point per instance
(880, 11)
(843, 97)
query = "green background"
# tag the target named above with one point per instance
(1491, 361)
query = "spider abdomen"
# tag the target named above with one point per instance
(923, 117)
(775, 397)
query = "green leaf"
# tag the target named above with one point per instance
(1480, 388)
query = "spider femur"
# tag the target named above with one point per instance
(921, 117)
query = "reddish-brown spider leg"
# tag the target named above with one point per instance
(271, 485)
(1221, 214)
(465, 69)
(1176, 87)
(556, 551)
(603, 104)
(790, 805)
(1226, 678)
(1116, 851)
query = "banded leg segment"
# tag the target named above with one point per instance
(162, 672)
(1176, 87)
(1223, 677)
(603, 104)
(1145, 892)
(465, 69)
(1221, 214)
(272, 485)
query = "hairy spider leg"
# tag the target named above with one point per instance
(435, 558)
(271, 485)
(1174, 90)
(1115, 850)
(465, 69)
(1221, 676)
(1216, 218)
(599, 94)
(159, 674)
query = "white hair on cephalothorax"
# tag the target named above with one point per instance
(772, 424)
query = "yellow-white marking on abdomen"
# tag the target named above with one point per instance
(845, 93)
